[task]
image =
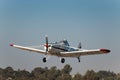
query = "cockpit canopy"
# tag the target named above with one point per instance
(64, 42)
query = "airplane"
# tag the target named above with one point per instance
(62, 49)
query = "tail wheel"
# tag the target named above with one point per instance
(62, 60)
(44, 59)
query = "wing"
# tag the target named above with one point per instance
(83, 52)
(29, 49)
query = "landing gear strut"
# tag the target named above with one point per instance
(78, 59)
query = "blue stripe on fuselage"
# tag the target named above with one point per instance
(59, 48)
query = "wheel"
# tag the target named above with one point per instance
(44, 59)
(62, 60)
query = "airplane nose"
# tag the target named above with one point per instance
(105, 50)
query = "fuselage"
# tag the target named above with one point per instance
(62, 46)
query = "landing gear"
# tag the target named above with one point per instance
(62, 60)
(78, 59)
(44, 59)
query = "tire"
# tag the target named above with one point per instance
(44, 59)
(62, 60)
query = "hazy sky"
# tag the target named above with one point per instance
(94, 23)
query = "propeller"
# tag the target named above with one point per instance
(79, 45)
(46, 45)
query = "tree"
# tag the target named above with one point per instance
(67, 69)
(77, 77)
(106, 74)
(97, 77)
(1, 74)
(64, 77)
(8, 72)
(37, 72)
(53, 73)
(90, 75)
(21, 75)
(118, 76)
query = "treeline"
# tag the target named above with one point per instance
(55, 74)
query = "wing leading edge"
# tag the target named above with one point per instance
(28, 49)
(83, 53)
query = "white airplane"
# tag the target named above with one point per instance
(62, 49)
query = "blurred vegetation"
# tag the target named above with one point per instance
(53, 73)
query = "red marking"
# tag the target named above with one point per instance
(11, 44)
(46, 45)
(105, 50)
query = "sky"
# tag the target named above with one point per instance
(94, 23)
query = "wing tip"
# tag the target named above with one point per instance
(105, 50)
(11, 44)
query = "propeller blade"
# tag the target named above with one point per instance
(79, 45)
(46, 37)
(46, 45)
